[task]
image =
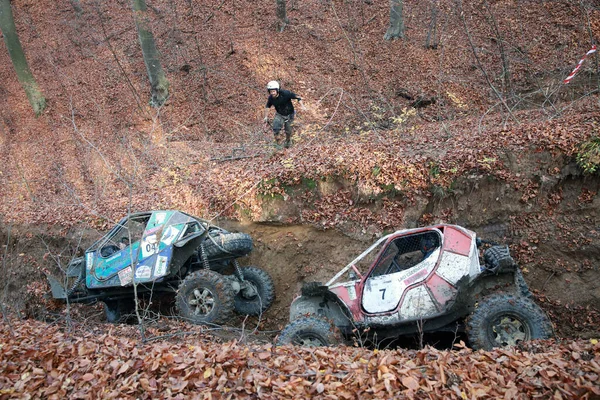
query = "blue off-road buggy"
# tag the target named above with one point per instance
(157, 252)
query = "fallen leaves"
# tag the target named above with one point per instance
(52, 366)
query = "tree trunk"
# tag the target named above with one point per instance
(158, 80)
(77, 7)
(281, 15)
(396, 29)
(431, 41)
(506, 79)
(15, 50)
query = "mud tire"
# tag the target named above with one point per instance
(205, 297)
(75, 277)
(498, 259)
(265, 288)
(313, 289)
(504, 320)
(522, 287)
(310, 331)
(226, 245)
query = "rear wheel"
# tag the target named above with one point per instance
(75, 277)
(205, 297)
(498, 259)
(522, 287)
(257, 292)
(310, 331)
(226, 245)
(505, 320)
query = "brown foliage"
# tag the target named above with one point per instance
(105, 361)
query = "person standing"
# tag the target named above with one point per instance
(284, 111)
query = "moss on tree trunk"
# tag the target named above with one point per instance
(396, 28)
(281, 15)
(158, 79)
(15, 50)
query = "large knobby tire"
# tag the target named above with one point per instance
(205, 297)
(310, 331)
(258, 296)
(498, 259)
(522, 286)
(75, 277)
(505, 320)
(226, 245)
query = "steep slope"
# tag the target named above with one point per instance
(477, 129)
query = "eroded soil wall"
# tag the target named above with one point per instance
(549, 219)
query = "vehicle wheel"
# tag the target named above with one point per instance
(257, 293)
(505, 320)
(498, 259)
(313, 289)
(75, 277)
(226, 245)
(310, 331)
(205, 297)
(522, 287)
(118, 310)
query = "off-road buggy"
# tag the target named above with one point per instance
(415, 281)
(157, 252)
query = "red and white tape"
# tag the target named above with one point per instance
(572, 74)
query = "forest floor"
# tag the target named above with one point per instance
(466, 120)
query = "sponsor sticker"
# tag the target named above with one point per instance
(161, 266)
(126, 276)
(169, 235)
(143, 272)
(89, 261)
(160, 217)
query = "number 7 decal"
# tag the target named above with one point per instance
(382, 293)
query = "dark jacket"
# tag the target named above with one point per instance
(283, 102)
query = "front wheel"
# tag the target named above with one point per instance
(257, 292)
(310, 331)
(205, 297)
(505, 320)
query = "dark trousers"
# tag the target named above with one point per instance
(286, 122)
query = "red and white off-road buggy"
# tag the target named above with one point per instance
(420, 280)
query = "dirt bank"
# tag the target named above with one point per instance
(566, 287)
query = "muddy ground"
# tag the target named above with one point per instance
(564, 282)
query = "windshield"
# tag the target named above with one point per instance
(365, 263)
(124, 234)
(405, 252)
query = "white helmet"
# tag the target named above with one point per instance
(273, 85)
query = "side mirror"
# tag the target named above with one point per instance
(352, 275)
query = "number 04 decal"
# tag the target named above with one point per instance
(152, 247)
(382, 293)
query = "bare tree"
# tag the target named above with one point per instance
(506, 80)
(76, 4)
(17, 56)
(432, 37)
(396, 28)
(282, 15)
(461, 14)
(158, 79)
(585, 10)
